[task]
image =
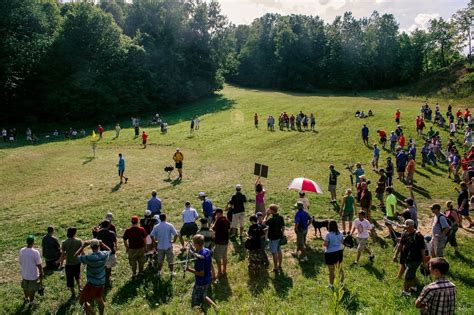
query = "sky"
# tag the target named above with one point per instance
(409, 13)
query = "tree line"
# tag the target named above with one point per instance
(103, 59)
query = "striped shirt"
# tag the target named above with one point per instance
(95, 267)
(439, 297)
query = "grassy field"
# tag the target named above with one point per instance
(59, 183)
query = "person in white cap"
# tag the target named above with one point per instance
(178, 159)
(238, 201)
(207, 207)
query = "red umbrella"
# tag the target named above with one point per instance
(304, 184)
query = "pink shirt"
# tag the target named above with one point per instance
(29, 260)
(260, 197)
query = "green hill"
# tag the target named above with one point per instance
(59, 183)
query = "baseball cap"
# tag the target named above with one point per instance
(410, 201)
(135, 219)
(109, 216)
(299, 204)
(147, 213)
(389, 158)
(177, 149)
(156, 217)
(30, 239)
(202, 194)
(94, 243)
(238, 186)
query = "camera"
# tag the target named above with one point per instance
(349, 167)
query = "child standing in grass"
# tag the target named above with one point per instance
(363, 226)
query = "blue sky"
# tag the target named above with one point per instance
(409, 13)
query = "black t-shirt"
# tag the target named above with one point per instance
(463, 195)
(413, 244)
(333, 174)
(255, 232)
(108, 238)
(221, 228)
(275, 225)
(237, 201)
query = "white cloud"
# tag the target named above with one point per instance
(422, 21)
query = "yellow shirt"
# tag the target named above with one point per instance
(178, 157)
(389, 202)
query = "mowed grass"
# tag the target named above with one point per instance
(59, 184)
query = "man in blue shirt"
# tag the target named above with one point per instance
(207, 207)
(365, 135)
(154, 204)
(358, 172)
(121, 168)
(203, 273)
(402, 160)
(96, 275)
(375, 158)
(302, 220)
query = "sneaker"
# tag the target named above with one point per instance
(414, 289)
(126, 180)
(371, 257)
(330, 287)
(173, 274)
(405, 293)
(304, 259)
(355, 263)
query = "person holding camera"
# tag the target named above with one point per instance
(95, 275)
(31, 270)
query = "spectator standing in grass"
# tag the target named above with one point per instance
(144, 139)
(380, 190)
(263, 238)
(276, 229)
(439, 231)
(238, 201)
(192, 125)
(463, 205)
(196, 122)
(397, 116)
(207, 207)
(178, 158)
(108, 237)
(359, 171)
(100, 129)
(117, 130)
(51, 249)
(134, 240)
(439, 297)
(389, 169)
(96, 274)
(221, 229)
(73, 267)
(259, 196)
(363, 226)
(255, 120)
(375, 157)
(365, 135)
(302, 221)
(154, 204)
(121, 168)
(207, 233)
(304, 200)
(164, 234)
(253, 244)
(453, 217)
(189, 228)
(312, 121)
(347, 210)
(410, 169)
(333, 174)
(31, 270)
(333, 253)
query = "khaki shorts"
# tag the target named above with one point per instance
(438, 244)
(161, 253)
(111, 262)
(30, 285)
(301, 239)
(362, 244)
(238, 220)
(220, 251)
(136, 255)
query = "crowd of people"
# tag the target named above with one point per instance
(152, 238)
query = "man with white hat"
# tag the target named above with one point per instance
(238, 201)
(207, 207)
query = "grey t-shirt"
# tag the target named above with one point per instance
(413, 214)
(437, 228)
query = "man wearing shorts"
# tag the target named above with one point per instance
(189, 228)
(121, 168)
(362, 225)
(333, 174)
(221, 228)
(365, 135)
(178, 159)
(439, 231)
(31, 270)
(95, 274)
(238, 201)
(165, 235)
(276, 229)
(73, 268)
(134, 240)
(144, 139)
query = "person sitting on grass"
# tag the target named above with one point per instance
(333, 253)
(363, 226)
(438, 297)
(31, 271)
(302, 221)
(203, 274)
(347, 210)
(189, 228)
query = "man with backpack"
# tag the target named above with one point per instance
(439, 231)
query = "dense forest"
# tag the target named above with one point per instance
(103, 59)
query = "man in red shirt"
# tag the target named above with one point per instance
(144, 139)
(100, 129)
(397, 116)
(134, 240)
(466, 114)
(222, 230)
(383, 137)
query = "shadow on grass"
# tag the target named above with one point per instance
(65, 307)
(310, 269)
(222, 290)
(282, 284)
(422, 174)
(379, 274)
(258, 281)
(116, 188)
(422, 191)
(350, 301)
(467, 280)
(88, 160)
(239, 250)
(400, 198)
(463, 258)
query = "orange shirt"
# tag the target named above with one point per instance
(411, 166)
